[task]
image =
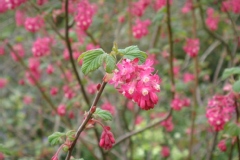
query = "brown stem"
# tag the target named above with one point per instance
(213, 34)
(129, 21)
(196, 68)
(170, 39)
(85, 121)
(231, 152)
(68, 43)
(237, 119)
(210, 153)
(91, 37)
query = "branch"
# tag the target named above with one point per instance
(85, 121)
(128, 135)
(210, 153)
(170, 39)
(68, 43)
(48, 100)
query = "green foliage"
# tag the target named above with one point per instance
(230, 71)
(71, 135)
(92, 60)
(110, 63)
(232, 129)
(133, 52)
(160, 15)
(5, 150)
(236, 86)
(103, 114)
(56, 138)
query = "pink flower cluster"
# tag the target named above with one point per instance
(220, 110)
(41, 2)
(34, 24)
(42, 46)
(188, 77)
(222, 145)
(9, 4)
(19, 50)
(140, 29)
(177, 103)
(168, 124)
(61, 110)
(20, 17)
(107, 138)
(137, 83)
(212, 20)
(161, 3)
(34, 72)
(192, 47)
(231, 5)
(165, 152)
(108, 107)
(68, 92)
(3, 82)
(85, 13)
(138, 8)
(187, 7)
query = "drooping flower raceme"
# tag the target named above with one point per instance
(140, 29)
(137, 83)
(192, 47)
(34, 24)
(212, 19)
(85, 13)
(41, 47)
(107, 138)
(220, 110)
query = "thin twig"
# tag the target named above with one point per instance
(210, 153)
(39, 87)
(68, 43)
(128, 135)
(85, 121)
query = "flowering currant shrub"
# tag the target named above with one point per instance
(132, 80)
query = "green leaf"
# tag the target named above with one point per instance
(92, 60)
(71, 135)
(110, 63)
(5, 150)
(230, 71)
(236, 86)
(160, 15)
(232, 129)
(103, 114)
(55, 138)
(133, 52)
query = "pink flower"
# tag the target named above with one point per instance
(222, 145)
(92, 88)
(85, 13)
(55, 157)
(27, 100)
(168, 124)
(227, 87)
(91, 46)
(34, 24)
(42, 46)
(219, 111)
(41, 2)
(121, 19)
(140, 29)
(54, 91)
(192, 47)
(107, 138)
(61, 110)
(21, 82)
(187, 7)
(20, 17)
(161, 3)
(71, 115)
(188, 77)
(212, 20)
(130, 105)
(2, 50)
(33, 64)
(108, 107)
(50, 69)
(33, 76)
(137, 83)
(235, 6)
(3, 82)
(19, 50)
(165, 152)
(177, 103)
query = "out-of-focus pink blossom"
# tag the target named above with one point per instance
(222, 145)
(140, 29)
(109, 107)
(18, 52)
(3, 82)
(165, 152)
(27, 100)
(192, 47)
